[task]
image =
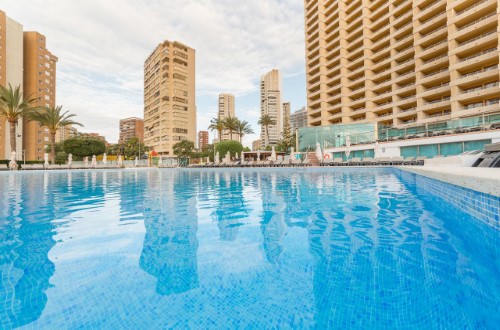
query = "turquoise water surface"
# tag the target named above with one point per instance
(284, 248)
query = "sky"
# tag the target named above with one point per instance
(102, 45)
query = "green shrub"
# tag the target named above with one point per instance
(84, 147)
(232, 146)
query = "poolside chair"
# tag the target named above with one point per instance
(266, 163)
(367, 161)
(397, 160)
(355, 161)
(295, 162)
(384, 160)
(306, 162)
(336, 162)
(327, 162)
(409, 161)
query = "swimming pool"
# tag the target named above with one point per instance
(231, 248)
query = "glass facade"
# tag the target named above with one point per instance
(443, 149)
(335, 135)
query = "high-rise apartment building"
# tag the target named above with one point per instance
(11, 72)
(298, 119)
(131, 127)
(226, 109)
(399, 62)
(256, 145)
(65, 133)
(39, 84)
(169, 96)
(202, 139)
(270, 104)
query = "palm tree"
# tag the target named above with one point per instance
(216, 124)
(266, 121)
(230, 123)
(13, 106)
(53, 119)
(242, 128)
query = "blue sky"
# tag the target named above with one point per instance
(102, 46)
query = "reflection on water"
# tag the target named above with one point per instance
(211, 249)
(170, 243)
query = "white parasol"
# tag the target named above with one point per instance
(348, 146)
(377, 150)
(45, 160)
(94, 161)
(217, 158)
(120, 160)
(12, 163)
(104, 159)
(273, 154)
(319, 153)
(70, 159)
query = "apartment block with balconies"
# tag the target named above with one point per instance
(400, 62)
(169, 97)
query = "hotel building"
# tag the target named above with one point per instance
(169, 97)
(270, 104)
(226, 109)
(39, 84)
(11, 72)
(202, 139)
(401, 62)
(131, 127)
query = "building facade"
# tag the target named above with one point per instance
(202, 139)
(256, 145)
(65, 133)
(169, 97)
(270, 104)
(39, 84)
(401, 62)
(131, 127)
(298, 119)
(226, 109)
(11, 72)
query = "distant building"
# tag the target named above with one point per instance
(226, 109)
(131, 127)
(65, 133)
(270, 104)
(256, 145)
(169, 97)
(298, 119)
(202, 139)
(95, 136)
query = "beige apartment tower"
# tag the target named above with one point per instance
(39, 84)
(11, 72)
(226, 109)
(270, 104)
(398, 62)
(169, 97)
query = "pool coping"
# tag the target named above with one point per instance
(485, 180)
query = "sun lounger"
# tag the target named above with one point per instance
(397, 160)
(327, 162)
(285, 163)
(276, 163)
(367, 161)
(295, 162)
(385, 160)
(355, 161)
(306, 162)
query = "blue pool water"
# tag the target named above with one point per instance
(322, 248)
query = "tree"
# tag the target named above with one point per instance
(114, 149)
(246, 149)
(232, 146)
(216, 124)
(287, 140)
(231, 124)
(243, 128)
(133, 147)
(53, 119)
(184, 149)
(13, 107)
(84, 146)
(266, 121)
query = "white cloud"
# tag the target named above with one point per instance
(102, 46)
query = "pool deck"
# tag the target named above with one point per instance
(485, 180)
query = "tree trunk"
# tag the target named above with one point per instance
(267, 136)
(12, 128)
(53, 147)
